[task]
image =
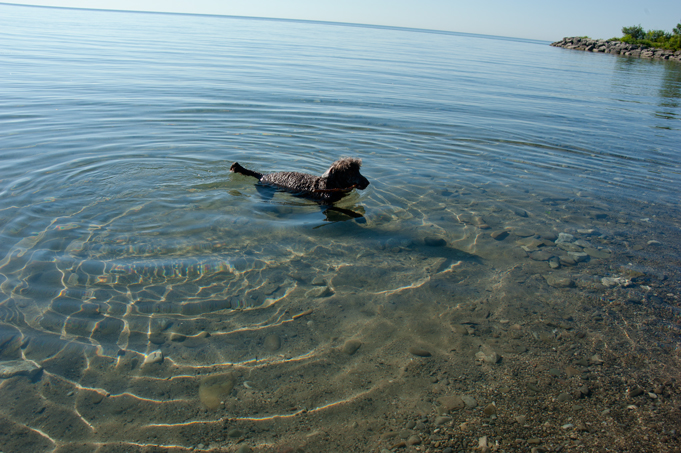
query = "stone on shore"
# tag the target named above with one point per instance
(617, 48)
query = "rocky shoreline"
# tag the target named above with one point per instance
(617, 47)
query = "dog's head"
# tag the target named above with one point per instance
(345, 173)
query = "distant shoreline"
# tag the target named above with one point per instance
(618, 48)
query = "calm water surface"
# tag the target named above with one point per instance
(123, 231)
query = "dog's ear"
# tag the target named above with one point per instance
(341, 165)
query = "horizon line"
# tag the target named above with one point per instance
(338, 24)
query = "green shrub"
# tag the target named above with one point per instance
(652, 38)
(657, 35)
(635, 32)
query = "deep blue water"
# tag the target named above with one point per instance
(120, 221)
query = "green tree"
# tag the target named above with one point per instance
(677, 29)
(652, 38)
(635, 32)
(657, 35)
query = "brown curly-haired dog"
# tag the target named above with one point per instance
(334, 184)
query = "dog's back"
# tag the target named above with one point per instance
(340, 179)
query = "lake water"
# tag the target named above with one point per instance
(519, 239)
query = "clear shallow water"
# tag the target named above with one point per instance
(123, 231)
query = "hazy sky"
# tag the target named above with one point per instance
(549, 20)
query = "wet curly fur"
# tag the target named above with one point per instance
(334, 184)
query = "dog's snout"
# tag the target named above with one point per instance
(364, 183)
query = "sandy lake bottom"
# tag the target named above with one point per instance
(488, 323)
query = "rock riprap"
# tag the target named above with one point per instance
(617, 47)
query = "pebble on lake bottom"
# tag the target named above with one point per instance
(420, 352)
(272, 342)
(154, 357)
(213, 389)
(351, 346)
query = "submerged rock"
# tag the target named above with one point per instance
(154, 357)
(214, 389)
(351, 346)
(492, 358)
(319, 292)
(564, 238)
(499, 235)
(490, 409)
(578, 256)
(451, 403)
(420, 352)
(559, 282)
(11, 368)
(541, 256)
(469, 401)
(596, 253)
(272, 342)
(435, 242)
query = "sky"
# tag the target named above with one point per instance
(548, 20)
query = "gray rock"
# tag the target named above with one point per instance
(451, 403)
(564, 397)
(319, 281)
(564, 238)
(549, 236)
(11, 368)
(609, 282)
(596, 253)
(569, 247)
(154, 357)
(469, 401)
(319, 291)
(441, 420)
(435, 242)
(541, 256)
(531, 244)
(567, 260)
(414, 440)
(351, 346)
(578, 256)
(491, 358)
(559, 282)
(272, 342)
(499, 235)
(420, 352)
(635, 391)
